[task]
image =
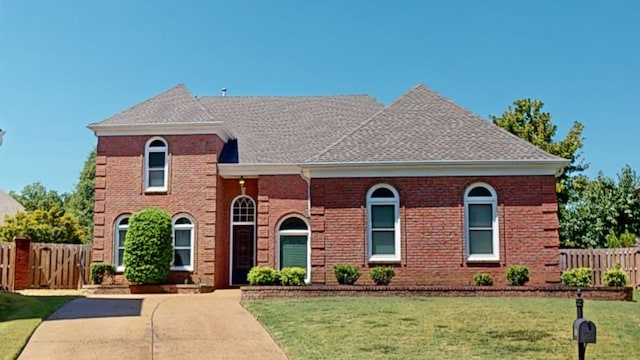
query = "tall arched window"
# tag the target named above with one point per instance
(182, 243)
(156, 165)
(481, 223)
(120, 232)
(383, 223)
(293, 244)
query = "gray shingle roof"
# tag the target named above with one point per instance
(175, 105)
(424, 126)
(8, 206)
(288, 129)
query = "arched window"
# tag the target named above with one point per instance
(182, 244)
(383, 223)
(120, 232)
(481, 223)
(293, 244)
(156, 165)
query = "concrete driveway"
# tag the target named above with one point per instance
(203, 326)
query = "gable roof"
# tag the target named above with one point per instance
(175, 105)
(423, 126)
(288, 129)
(8, 206)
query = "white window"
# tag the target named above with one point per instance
(293, 245)
(182, 244)
(383, 223)
(122, 224)
(156, 167)
(481, 223)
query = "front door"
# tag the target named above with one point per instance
(243, 253)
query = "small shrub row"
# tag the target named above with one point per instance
(516, 275)
(265, 275)
(101, 271)
(583, 277)
(348, 274)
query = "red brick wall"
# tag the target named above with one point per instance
(432, 228)
(191, 189)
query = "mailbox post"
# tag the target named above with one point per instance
(584, 331)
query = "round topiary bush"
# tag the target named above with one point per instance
(517, 275)
(148, 248)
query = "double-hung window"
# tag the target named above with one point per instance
(481, 223)
(120, 233)
(156, 167)
(383, 223)
(182, 244)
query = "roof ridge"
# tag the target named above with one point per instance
(368, 120)
(283, 96)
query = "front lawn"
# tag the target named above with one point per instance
(19, 317)
(446, 328)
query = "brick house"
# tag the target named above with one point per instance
(312, 181)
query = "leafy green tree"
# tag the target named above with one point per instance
(37, 197)
(148, 248)
(527, 121)
(604, 208)
(80, 202)
(49, 226)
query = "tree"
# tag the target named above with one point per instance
(148, 248)
(603, 208)
(80, 202)
(36, 197)
(50, 226)
(527, 121)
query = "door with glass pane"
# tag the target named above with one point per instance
(243, 253)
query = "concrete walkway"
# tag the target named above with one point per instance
(158, 327)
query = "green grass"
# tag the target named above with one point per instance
(446, 328)
(19, 317)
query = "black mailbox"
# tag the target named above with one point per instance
(584, 331)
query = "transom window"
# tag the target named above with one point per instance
(156, 165)
(120, 233)
(383, 223)
(182, 244)
(244, 210)
(293, 240)
(481, 220)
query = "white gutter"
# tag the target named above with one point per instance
(192, 128)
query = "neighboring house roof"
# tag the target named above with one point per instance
(424, 126)
(8, 206)
(419, 127)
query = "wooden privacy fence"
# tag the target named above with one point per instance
(7, 260)
(42, 265)
(600, 260)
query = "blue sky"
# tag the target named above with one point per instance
(65, 64)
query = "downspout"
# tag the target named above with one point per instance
(307, 178)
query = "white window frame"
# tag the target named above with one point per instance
(174, 227)
(306, 233)
(493, 201)
(156, 149)
(395, 201)
(116, 239)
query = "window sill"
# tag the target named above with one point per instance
(485, 259)
(181, 269)
(383, 260)
(156, 191)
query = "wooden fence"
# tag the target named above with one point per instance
(44, 265)
(600, 260)
(7, 261)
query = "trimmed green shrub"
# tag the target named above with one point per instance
(483, 279)
(382, 275)
(517, 275)
(263, 275)
(148, 248)
(293, 276)
(100, 271)
(346, 274)
(577, 277)
(615, 277)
